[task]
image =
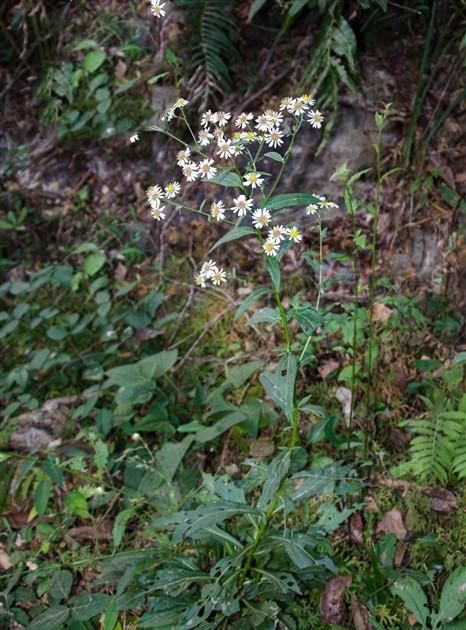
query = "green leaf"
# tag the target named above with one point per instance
(266, 315)
(256, 6)
(61, 585)
(233, 235)
(94, 263)
(227, 178)
(273, 268)
(249, 301)
(453, 597)
(56, 333)
(211, 433)
(319, 480)
(413, 597)
(273, 155)
(42, 496)
(93, 60)
(277, 472)
(50, 619)
(290, 199)
(119, 525)
(111, 615)
(89, 605)
(171, 455)
(280, 384)
(77, 504)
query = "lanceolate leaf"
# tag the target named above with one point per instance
(280, 384)
(290, 199)
(234, 235)
(50, 619)
(453, 598)
(277, 472)
(227, 178)
(273, 267)
(414, 598)
(210, 433)
(249, 301)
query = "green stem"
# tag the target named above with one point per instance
(283, 319)
(285, 161)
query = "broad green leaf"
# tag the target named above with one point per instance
(119, 525)
(413, 597)
(331, 518)
(50, 619)
(76, 503)
(211, 433)
(234, 235)
(273, 268)
(321, 479)
(453, 597)
(56, 334)
(280, 384)
(89, 605)
(170, 456)
(290, 199)
(61, 586)
(93, 60)
(255, 7)
(42, 496)
(277, 472)
(240, 373)
(295, 546)
(94, 263)
(227, 178)
(266, 315)
(273, 155)
(249, 301)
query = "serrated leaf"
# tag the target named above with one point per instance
(50, 619)
(280, 385)
(290, 199)
(233, 235)
(413, 597)
(228, 179)
(453, 597)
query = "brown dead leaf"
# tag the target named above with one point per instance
(381, 313)
(356, 528)
(89, 533)
(332, 603)
(5, 563)
(392, 523)
(17, 518)
(327, 367)
(360, 615)
(370, 505)
(443, 500)
(394, 484)
(399, 553)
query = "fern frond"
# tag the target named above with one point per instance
(213, 33)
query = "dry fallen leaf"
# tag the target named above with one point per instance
(360, 615)
(392, 523)
(327, 367)
(332, 604)
(356, 528)
(89, 533)
(443, 500)
(5, 563)
(344, 396)
(370, 505)
(381, 313)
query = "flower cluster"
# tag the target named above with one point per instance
(276, 235)
(210, 271)
(322, 204)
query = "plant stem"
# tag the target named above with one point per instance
(285, 161)
(283, 319)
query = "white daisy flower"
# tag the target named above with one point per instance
(134, 138)
(200, 280)
(271, 248)
(157, 212)
(307, 100)
(208, 268)
(324, 203)
(169, 114)
(206, 170)
(263, 123)
(277, 233)
(205, 137)
(217, 210)
(274, 118)
(183, 157)
(242, 120)
(315, 118)
(295, 234)
(191, 171)
(157, 8)
(285, 102)
(218, 277)
(208, 118)
(154, 194)
(297, 107)
(225, 150)
(261, 218)
(274, 138)
(181, 102)
(253, 179)
(172, 190)
(241, 205)
(312, 208)
(249, 136)
(221, 118)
